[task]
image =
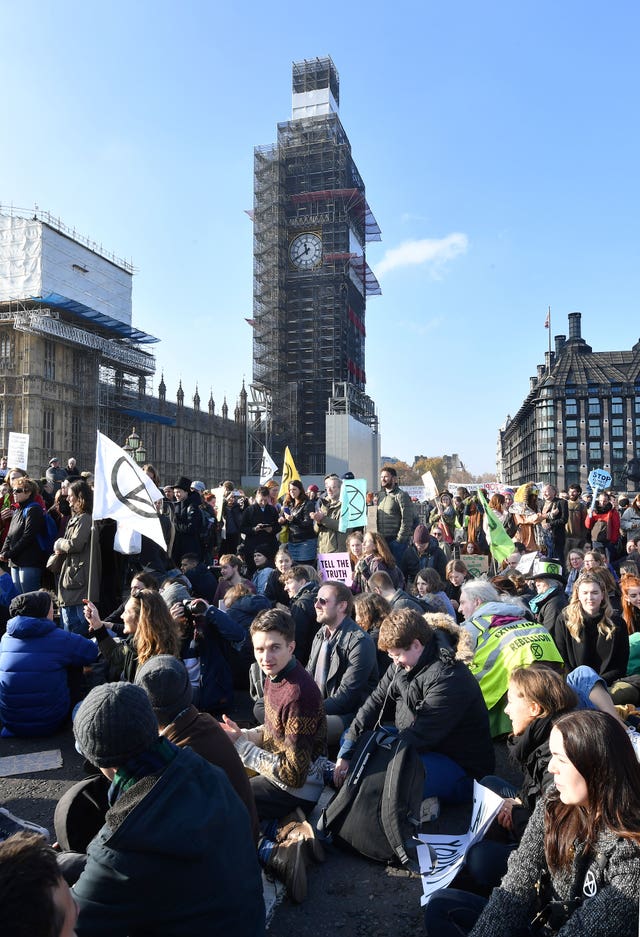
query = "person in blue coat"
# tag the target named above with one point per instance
(35, 698)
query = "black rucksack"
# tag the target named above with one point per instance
(377, 809)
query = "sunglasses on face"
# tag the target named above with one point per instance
(320, 601)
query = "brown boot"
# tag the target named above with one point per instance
(287, 862)
(295, 826)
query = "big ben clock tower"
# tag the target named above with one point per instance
(311, 279)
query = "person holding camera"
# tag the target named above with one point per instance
(207, 636)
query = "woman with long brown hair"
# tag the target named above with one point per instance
(149, 630)
(73, 550)
(296, 517)
(577, 869)
(376, 557)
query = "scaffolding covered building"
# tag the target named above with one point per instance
(71, 361)
(312, 223)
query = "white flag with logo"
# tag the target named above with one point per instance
(124, 492)
(267, 466)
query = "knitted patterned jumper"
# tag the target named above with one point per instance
(294, 734)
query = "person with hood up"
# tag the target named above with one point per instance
(528, 517)
(502, 639)
(35, 698)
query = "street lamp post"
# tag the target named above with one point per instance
(135, 448)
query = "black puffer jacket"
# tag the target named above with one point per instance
(437, 706)
(21, 546)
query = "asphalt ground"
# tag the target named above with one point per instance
(347, 894)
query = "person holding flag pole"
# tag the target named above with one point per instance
(500, 543)
(124, 493)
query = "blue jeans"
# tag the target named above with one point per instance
(582, 680)
(73, 619)
(445, 779)
(26, 578)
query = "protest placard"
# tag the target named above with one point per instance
(18, 450)
(441, 857)
(336, 567)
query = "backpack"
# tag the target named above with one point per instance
(377, 809)
(49, 535)
(599, 532)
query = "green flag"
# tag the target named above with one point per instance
(500, 543)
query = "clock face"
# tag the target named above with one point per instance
(305, 251)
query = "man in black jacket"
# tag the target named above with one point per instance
(260, 528)
(343, 658)
(423, 553)
(436, 705)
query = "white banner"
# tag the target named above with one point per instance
(18, 451)
(430, 487)
(267, 467)
(124, 492)
(441, 857)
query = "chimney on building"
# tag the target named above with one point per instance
(560, 343)
(532, 383)
(541, 370)
(549, 359)
(574, 325)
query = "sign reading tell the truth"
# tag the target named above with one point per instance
(336, 566)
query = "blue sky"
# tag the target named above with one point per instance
(499, 143)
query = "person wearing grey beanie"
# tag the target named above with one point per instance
(171, 817)
(114, 724)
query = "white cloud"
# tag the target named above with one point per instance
(434, 252)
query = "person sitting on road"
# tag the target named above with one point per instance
(40, 676)
(435, 704)
(502, 639)
(176, 851)
(287, 753)
(382, 583)
(342, 660)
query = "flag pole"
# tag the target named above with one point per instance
(549, 327)
(90, 592)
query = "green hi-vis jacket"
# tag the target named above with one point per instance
(502, 648)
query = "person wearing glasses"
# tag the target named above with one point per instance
(343, 658)
(327, 518)
(21, 547)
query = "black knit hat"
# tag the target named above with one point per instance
(31, 604)
(183, 483)
(114, 723)
(165, 680)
